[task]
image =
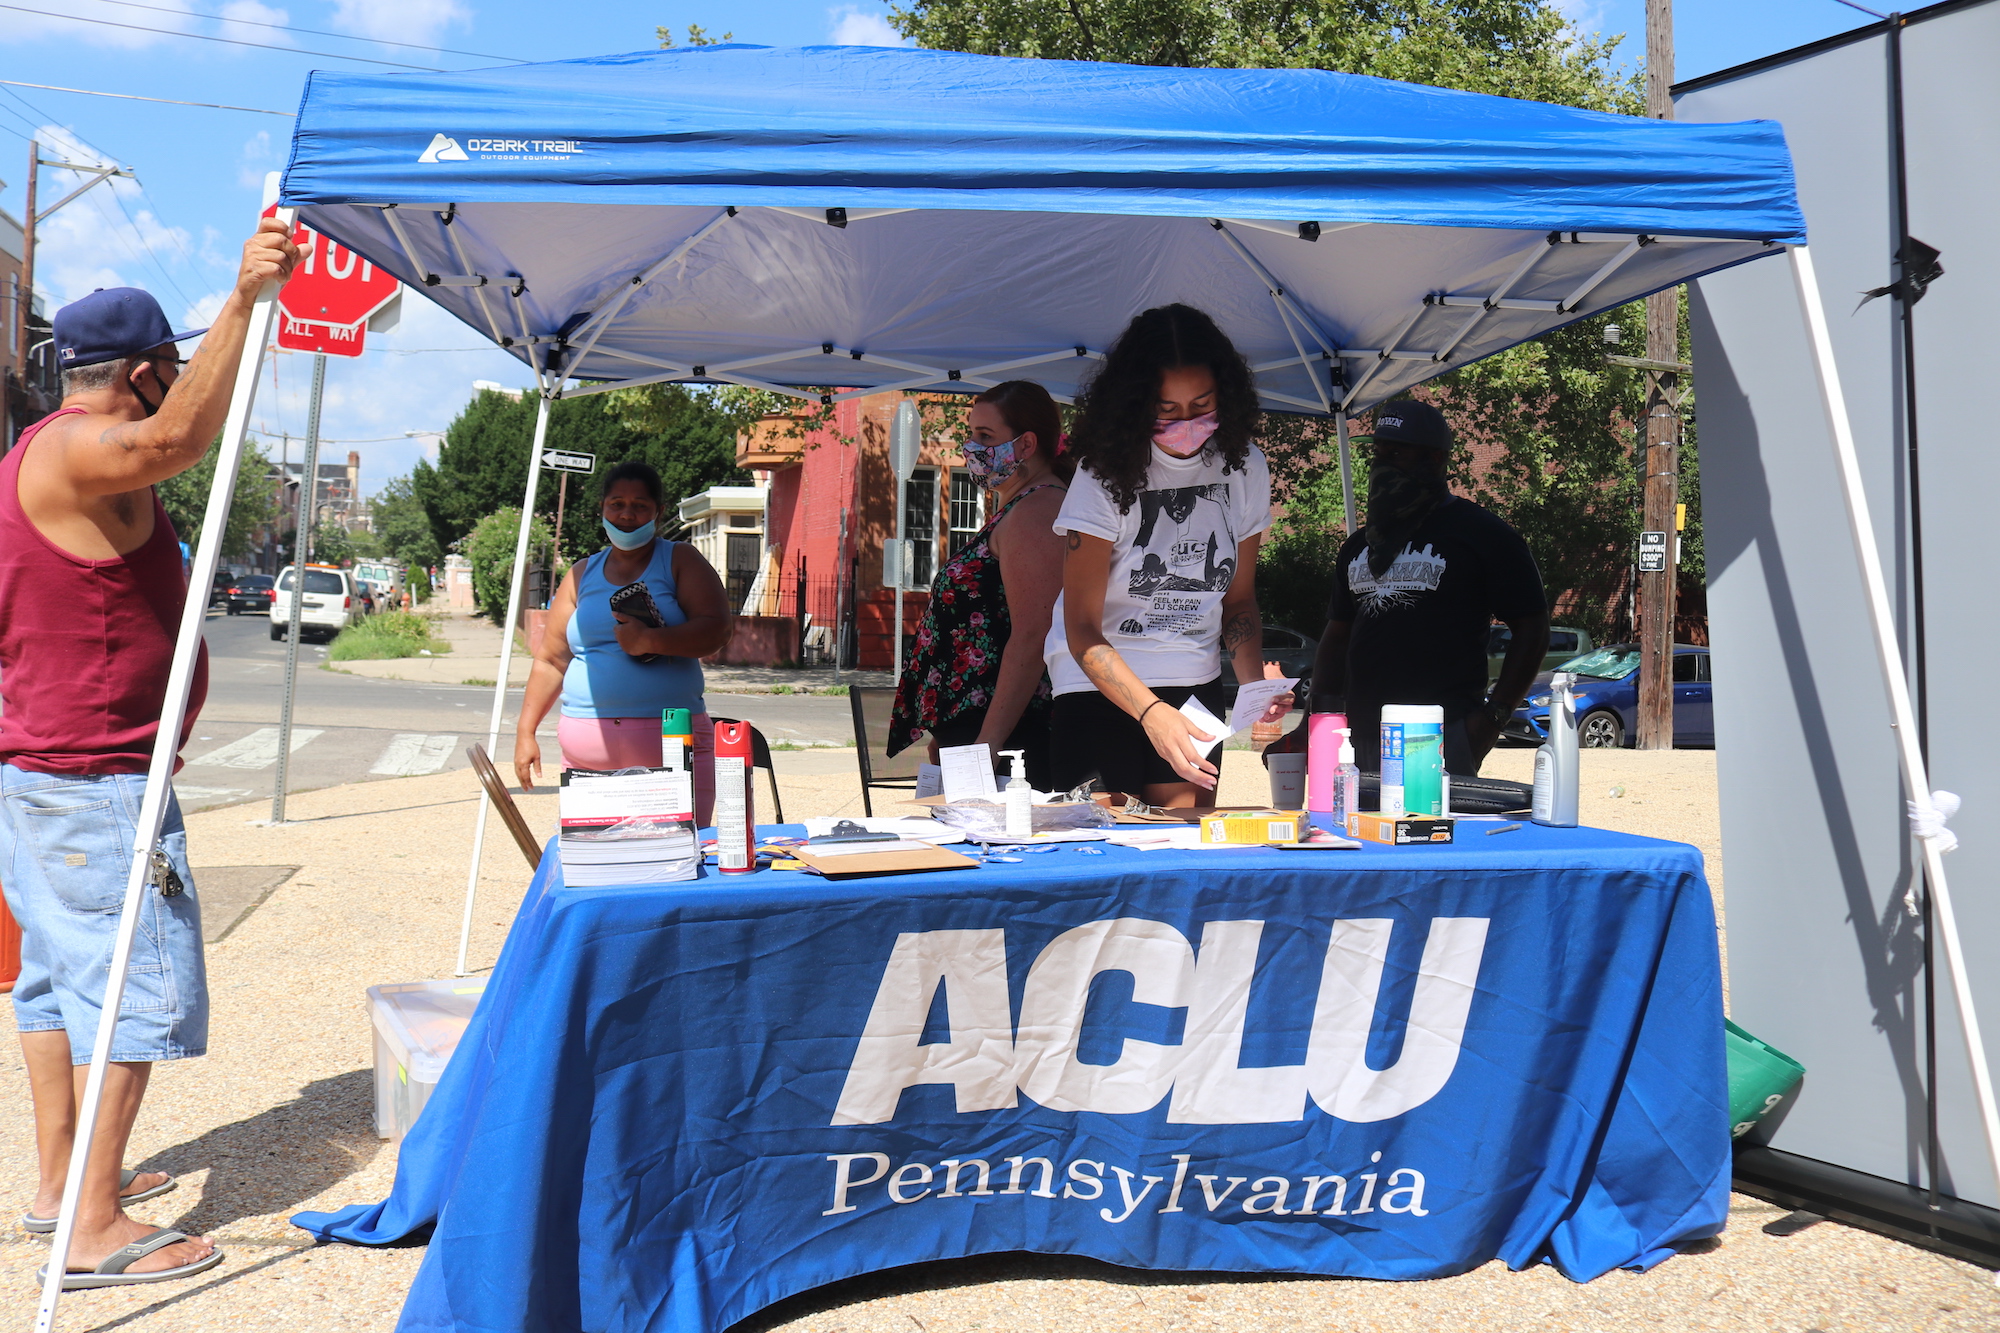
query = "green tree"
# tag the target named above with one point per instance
(253, 505)
(1515, 48)
(689, 435)
(404, 532)
(490, 550)
(697, 36)
(331, 544)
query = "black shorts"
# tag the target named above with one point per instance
(1031, 737)
(1092, 737)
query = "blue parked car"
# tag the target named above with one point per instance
(1607, 699)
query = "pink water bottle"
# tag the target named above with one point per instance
(1323, 761)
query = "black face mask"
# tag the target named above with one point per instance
(150, 407)
(1398, 501)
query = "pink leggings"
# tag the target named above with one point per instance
(633, 742)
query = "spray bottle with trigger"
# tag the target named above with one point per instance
(1556, 776)
(1019, 796)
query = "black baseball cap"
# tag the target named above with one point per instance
(109, 323)
(1410, 422)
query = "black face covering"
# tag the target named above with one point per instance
(1397, 502)
(151, 408)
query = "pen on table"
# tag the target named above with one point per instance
(1504, 828)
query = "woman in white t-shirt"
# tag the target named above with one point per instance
(1163, 522)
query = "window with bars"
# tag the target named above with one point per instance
(920, 524)
(968, 509)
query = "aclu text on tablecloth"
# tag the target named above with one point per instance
(990, 1062)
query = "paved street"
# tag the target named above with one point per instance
(352, 728)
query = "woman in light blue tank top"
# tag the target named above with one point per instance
(614, 674)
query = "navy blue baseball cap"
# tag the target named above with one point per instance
(1412, 422)
(109, 323)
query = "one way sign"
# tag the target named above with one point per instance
(566, 461)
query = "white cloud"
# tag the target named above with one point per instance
(419, 21)
(249, 17)
(254, 161)
(852, 25)
(22, 25)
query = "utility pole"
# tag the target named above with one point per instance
(1662, 446)
(27, 301)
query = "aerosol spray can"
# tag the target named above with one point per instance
(735, 804)
(1555, 763)
(677, 739)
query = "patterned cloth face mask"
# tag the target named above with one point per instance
(991, 464)
(1184, 439)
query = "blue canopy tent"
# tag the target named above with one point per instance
(884, 219)
(881, 219)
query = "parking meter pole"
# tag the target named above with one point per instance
(301, 552)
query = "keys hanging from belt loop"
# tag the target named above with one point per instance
(165, 877)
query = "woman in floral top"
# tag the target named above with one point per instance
(975, 673)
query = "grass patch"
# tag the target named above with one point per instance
(784, 689)
(839, 691)
(386, 635)
(474, 680)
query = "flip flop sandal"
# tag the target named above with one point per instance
(111, 1273)
(42, 1226)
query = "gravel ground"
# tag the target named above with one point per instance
(278, 1118)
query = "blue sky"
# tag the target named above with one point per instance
(200, 171)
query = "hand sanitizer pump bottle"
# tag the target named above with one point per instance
(1556, 775)
(1019, 796)
(1346, 782)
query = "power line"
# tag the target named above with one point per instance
(317, 32)
(228, 41)
(134, 97)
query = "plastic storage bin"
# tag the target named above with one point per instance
(417, 1027)
(1760, 1077)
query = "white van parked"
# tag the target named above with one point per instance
(329, 603)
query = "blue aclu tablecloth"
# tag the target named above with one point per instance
(680, 1103)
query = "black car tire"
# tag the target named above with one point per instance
(277, 630)
(1601, 730)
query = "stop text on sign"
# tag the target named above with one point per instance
(326, 304)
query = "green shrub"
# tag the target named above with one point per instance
(490, 549)
(389, 634)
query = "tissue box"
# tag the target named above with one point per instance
(1374, 826)
(1253, 826)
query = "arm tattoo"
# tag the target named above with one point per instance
(1075, 541)
(1242, 627)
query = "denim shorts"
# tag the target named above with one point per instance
(65, 856)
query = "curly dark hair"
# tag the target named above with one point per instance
(1113, 430)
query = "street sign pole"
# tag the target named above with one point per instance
(301, 552)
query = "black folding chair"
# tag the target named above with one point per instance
(871, 708)
(760, 757)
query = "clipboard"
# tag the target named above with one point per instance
(858, 864)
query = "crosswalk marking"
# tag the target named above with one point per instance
(257, 750)
(192, 796)
(412, 754)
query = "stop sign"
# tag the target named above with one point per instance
(330, 296)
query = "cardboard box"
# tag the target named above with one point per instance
(1397, 830)
(1254, 826)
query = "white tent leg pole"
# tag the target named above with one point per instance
(1347, 516)
(1902, 716)
(514, 584)
(160, 776)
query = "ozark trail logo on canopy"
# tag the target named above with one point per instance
(443, 148)
(989, 1060)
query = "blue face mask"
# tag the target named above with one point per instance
(629, 541)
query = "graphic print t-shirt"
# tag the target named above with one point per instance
(1419, 632)
(1173, 556)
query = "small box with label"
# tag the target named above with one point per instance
(1253, 826)
(1397, 830)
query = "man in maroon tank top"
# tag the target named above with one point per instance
(92, 587)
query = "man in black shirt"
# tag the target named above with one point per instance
(1414, 593)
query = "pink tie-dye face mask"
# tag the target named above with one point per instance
(1184, 439)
